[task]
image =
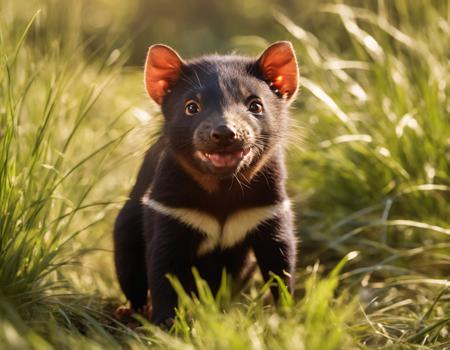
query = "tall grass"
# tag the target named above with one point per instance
(370, 183)
(374, 177)
(56, 144)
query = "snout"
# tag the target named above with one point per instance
(223, 147)
(223, 135)
(221, 150)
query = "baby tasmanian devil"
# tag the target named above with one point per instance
(212, 188)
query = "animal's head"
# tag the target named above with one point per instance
(223, 114)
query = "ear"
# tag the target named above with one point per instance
(278, 66)
(162, 70)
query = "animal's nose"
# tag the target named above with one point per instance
(223, 135)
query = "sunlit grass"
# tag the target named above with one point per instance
(370, 178)
(374, 177)
(57, 141)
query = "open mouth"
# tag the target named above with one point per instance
(224, 159)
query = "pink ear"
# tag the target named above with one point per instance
(278, 65)
(162, 70)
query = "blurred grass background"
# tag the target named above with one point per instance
(369, 158)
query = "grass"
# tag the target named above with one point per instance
(369, 179)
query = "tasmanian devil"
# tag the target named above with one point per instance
(212, 188)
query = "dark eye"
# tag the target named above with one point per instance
(255, 107)
(191, 107)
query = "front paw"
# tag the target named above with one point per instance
(164, 322)
(124, 314)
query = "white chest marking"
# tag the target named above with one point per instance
(233, 231)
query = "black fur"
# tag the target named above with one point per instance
(149, 245)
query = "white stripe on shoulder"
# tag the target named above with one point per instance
(240, 223)
(203, 222)
(234, 230)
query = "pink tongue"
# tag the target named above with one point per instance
(226, 159)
